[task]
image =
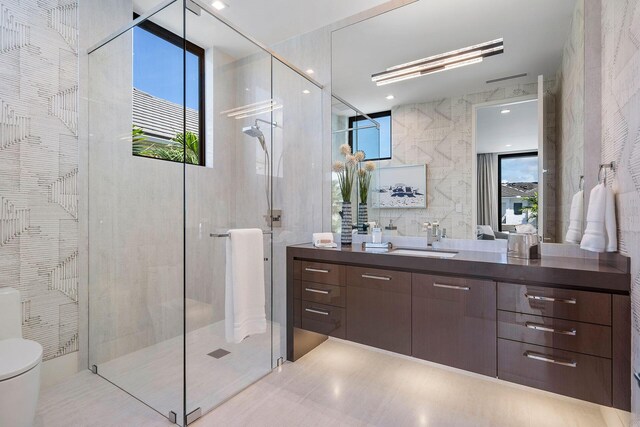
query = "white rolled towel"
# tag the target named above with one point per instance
(576, 218)
(600, 234)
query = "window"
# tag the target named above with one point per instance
(517, 190)
(159, 96)
(366, 139)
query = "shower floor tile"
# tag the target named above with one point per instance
(154, 374)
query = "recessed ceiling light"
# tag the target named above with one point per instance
(508, 145)
(306, 91)
(218, 5)
(441, 62)
(505, 111)
(310, 71)
(390, 97)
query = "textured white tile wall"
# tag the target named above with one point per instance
(571, 108)
(39, 167)
(621, 142)
(439, 134)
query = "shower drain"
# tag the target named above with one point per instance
(219, 353)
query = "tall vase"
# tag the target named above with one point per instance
(363, 218)
(345, 237)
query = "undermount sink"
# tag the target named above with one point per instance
(423, 252)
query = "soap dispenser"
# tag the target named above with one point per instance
(376, 234)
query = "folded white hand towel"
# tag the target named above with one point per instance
(244, 285)
(576, 218)
(600, 234)
(610, 222)
(322, 239)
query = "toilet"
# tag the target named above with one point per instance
(20, 362)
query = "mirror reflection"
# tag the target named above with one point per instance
(479, 132)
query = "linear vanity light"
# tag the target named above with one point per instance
(441, 62)
(254, 109)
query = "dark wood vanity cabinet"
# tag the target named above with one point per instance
(454, 322)
(571, 338)
(379, 308)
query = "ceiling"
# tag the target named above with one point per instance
(268, 22)
(534, 35)
(514, 131)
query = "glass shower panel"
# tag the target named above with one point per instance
(136, 223)
(231, 189)
(298, 179)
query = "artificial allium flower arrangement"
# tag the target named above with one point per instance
(346, 171)
(364, 180)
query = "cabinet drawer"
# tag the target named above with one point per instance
(323, 319)
(323, 294)
(560, 334)
(320, 272)
(551, 302)
(571, 374)
(383, 280)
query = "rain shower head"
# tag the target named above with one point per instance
(255, 132)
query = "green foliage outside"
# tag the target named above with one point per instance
(180, 149)
(533, 206)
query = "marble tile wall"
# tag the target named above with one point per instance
(621, 143)
(570, 120)
(39, 167)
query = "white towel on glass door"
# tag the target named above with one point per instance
(244, 300)
(600, 234)
(576, 218)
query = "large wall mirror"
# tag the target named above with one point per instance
(478, 115)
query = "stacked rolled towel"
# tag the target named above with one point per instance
(600, 234)
(576, 218)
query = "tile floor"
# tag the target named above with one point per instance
(345, 384)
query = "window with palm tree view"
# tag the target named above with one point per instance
(160, 100)
(518, 190)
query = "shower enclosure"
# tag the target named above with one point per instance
(195, 129)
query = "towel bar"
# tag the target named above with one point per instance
(227, 234)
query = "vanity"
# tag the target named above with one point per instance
(556, 324)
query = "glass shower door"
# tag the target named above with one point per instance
(230, 189)
(136, 222)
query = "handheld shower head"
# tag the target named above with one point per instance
(255, 132)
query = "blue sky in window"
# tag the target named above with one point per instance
(157, 69)
(520, 169)
(367, 139)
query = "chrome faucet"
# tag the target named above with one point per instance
(433, 232)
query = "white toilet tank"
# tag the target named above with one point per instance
(10, 314)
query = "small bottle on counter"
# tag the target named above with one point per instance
(390, 230)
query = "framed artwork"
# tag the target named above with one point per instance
(400, 187)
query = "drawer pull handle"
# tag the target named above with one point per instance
(539, 327)
(313, 310)
(371, 276)
(550, 299)
(548, 359)
(317, 291)
(460, 288)
(316, 270)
